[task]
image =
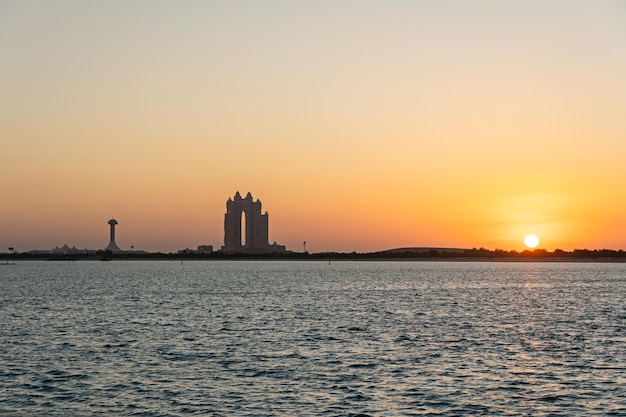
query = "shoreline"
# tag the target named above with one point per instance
(178, 258)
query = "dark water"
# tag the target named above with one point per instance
(298, 338)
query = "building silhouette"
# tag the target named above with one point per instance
(112, 246)
(246, 230)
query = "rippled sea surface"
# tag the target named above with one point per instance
(309, 338)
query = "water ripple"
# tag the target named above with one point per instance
(297, 338)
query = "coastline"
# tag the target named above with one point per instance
(321, 257)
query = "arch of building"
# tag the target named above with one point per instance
(254, 239)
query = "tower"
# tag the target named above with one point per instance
(112, 246)
(246, 228)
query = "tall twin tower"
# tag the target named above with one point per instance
(246, 230)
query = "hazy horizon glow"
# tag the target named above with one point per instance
(360, 125)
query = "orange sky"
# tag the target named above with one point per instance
(360, 125)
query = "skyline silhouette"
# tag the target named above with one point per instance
(246, 233)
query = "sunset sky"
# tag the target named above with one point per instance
(360, 125)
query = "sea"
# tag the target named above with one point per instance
(300, 338)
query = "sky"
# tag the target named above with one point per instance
(360, 125)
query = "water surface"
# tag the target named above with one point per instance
(308, 338)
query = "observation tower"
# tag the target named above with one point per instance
(112, 245)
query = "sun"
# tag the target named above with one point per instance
(531, 241)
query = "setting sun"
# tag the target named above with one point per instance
(531, 241)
